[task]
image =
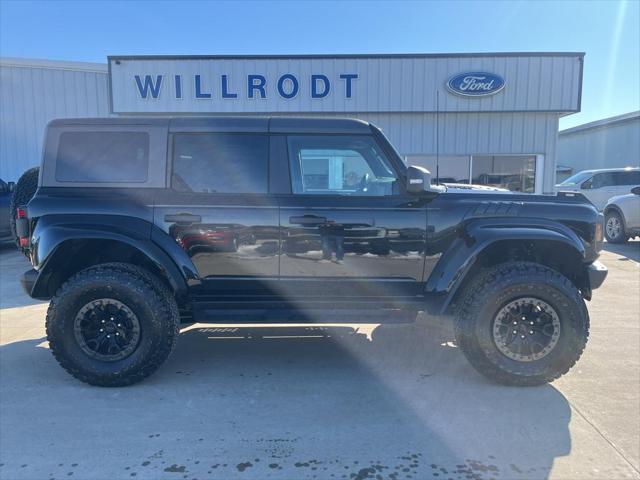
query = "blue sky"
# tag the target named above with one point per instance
(608, 32)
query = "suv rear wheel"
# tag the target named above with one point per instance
(522, 323)
(112, 324)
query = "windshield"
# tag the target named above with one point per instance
(577, 178)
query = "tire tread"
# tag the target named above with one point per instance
(489, 282)
(157, 296)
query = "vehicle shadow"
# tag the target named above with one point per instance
(251, 403)
(630, 250)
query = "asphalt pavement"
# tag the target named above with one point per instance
(300, 403)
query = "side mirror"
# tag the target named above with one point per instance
(11, 186)
(636, 190)
(419, 181)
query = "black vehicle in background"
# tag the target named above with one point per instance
(6, 193)
(140, 225)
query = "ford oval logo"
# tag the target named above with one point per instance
(475, 84)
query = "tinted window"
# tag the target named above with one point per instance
(515, 173)
(220, 163)
(339, 165)
(105, 157)
(577, 178)
(602, 180)
(626, 178)
(451, 168)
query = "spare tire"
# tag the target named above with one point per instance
(22, 193)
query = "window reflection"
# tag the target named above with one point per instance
(516, 173)
(513, 172)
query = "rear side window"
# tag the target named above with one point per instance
(626, 178)
(103, 157)
(220, 163)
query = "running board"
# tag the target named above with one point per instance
(398, 310)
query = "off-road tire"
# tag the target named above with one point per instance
(23, 192)
(622, 237)
(140, 291)
(493, 288)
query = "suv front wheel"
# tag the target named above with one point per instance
(112, 324)
(614, 227)
(522, 323)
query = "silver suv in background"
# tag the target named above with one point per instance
(600, 185)
(622, 217)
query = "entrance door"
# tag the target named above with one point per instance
(219, 211)
(347, 229)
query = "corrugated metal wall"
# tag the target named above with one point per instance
(608, 146)
(534, 82)
(32, 96)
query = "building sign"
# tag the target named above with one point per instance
(253, 85)
(475, 84)
(339, 84)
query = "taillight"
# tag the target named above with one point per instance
(22, 227)
(598, 234)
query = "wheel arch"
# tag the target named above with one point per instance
(63, 251)
(484, 245)
(615, 208)
(610, 207)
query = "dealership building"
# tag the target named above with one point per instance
(489, 118)
(607, 143)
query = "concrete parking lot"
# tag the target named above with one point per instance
(236, 404)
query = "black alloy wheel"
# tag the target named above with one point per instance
(107, 330)
(526, 329)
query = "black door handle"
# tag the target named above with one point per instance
(307, 220)
(183, 218)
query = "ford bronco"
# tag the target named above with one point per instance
(139, 225)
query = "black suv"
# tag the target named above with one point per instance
(140, 225)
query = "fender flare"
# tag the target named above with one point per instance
(51, 235)
(454, 265)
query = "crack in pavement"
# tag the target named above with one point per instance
(613, 445)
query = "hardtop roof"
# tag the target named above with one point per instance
(273, 124)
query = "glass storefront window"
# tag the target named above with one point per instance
(453, 168)
(513, 172)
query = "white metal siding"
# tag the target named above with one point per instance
(30, 97)
(608, 146)
(406, 84)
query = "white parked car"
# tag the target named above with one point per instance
(600, 185)
(622, 217)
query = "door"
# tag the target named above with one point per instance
(599, 189)
(624, 181)
(347, 228)
(605, 185)
(219, 211)
(630, 206)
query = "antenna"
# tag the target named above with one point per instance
(437, 137)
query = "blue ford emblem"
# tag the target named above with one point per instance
(475, 84)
